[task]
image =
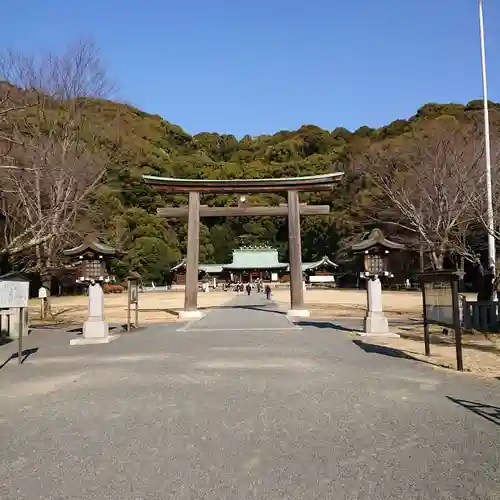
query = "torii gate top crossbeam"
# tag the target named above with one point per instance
(322, 182)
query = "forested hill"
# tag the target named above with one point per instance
(124, 209)
(71, 166)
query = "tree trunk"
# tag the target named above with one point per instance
(437, 260)
(47, 284)
(4, 263)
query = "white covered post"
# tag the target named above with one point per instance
(93, 256)
(96, 325)
(375, 249)
(375, 322)
(95, 329)
(18, 321)
(4, 320)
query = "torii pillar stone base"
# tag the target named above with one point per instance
(375, 322)
(190, 315)
(95, 329)
(299, 313)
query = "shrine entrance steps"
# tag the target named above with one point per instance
(243, 313)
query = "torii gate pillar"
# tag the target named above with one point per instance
(295, 250)
(193, 252)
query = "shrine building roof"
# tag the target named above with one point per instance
(377, 238)
(257, 258)
(311, 266)
(94, 245)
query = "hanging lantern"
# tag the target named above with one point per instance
(92, 260)
(376, 249)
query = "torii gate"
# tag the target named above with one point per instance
(194, 211)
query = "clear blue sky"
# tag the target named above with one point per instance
(262, 66)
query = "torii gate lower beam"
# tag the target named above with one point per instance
(195, 186)
(242, 210)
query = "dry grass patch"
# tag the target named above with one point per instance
(154, 307)
(341, 303)
(481, 352)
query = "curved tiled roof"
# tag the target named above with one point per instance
(310, 266)
(256, 258)
(377, 237)
(94, 245)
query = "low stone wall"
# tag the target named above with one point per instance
(10, 322)
(483, 315)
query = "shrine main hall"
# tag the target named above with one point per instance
(257, 263)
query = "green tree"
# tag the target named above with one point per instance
(152, 258)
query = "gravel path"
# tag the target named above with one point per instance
(242, 405)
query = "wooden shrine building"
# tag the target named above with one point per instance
(256, 263)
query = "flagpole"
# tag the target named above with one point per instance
(487, 154)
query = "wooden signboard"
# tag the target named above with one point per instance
(133, 298)
(134, 292)
(14, 293)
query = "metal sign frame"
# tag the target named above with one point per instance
(133, 298)
(18, 297)
(453, 278)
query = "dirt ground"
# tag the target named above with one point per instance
(480, 351)
(158, 307)
(340, 303)
(154, 307)
(161, 307)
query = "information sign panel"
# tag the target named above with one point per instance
(439, 303)
(134, 292)
(14, 293)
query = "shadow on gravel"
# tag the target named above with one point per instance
(270, 309)
(489, 412)
(25, 355)
(384, 350)
(327, 325)
(79, 329)
(250, 307)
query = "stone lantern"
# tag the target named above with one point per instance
(92, 259)
(375, 250)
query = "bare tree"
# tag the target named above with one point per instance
(476, 244)
(424, 177)
(44, 200)
(76, 72)
(54, 161)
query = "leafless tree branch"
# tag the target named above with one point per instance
(424, 176)
(55, 163)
